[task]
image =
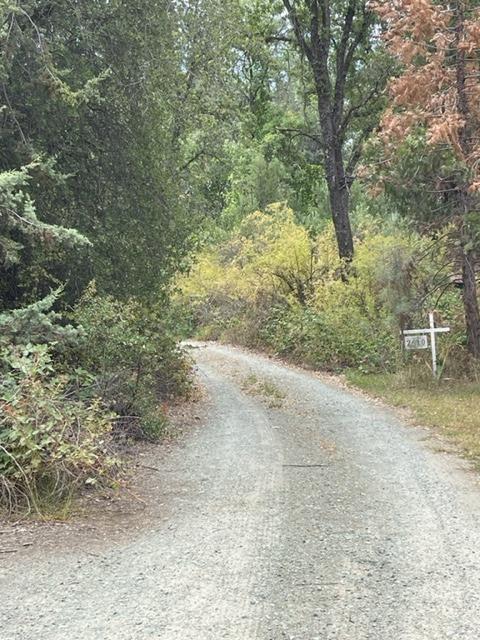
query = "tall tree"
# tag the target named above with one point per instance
(128, 98)
(438, 44)
(337, 38)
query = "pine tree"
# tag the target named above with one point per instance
(438, 44)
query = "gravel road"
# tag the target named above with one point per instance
(317, 515)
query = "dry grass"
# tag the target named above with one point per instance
(450, 407)
(265, 388)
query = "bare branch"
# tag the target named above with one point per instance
(191, 160)
(297, 28)
(354, 109)
(300, 132)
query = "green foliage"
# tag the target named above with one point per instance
(270, 284)
(126, 99)
(418, 182)
(137, 364)
(108, 113)
(150, 128)
(51, 442)
(254, 183)
(331, 339)
(18, 216)
(37, 323)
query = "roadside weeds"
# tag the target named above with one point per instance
(450, 408)
(266, 389)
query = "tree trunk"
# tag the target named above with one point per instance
(339, 204)
(315, 39)
(470, 297)
(338, 189)
(470, 302)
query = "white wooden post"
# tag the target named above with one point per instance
(433, 344)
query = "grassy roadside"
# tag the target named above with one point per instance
(452, 408)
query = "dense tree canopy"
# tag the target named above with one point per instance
(114, 106)
(133, 132)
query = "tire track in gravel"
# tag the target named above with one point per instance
(325, 518)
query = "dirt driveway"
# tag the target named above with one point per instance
(299, 511)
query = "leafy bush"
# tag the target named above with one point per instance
(136, 362)
(51, 442)
(269, 284)
(68, 389)
(37, 323)
(330, 341)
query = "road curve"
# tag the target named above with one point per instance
(324, 518)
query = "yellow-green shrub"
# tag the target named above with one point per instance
(270, 284)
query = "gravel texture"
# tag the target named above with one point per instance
(325, 518)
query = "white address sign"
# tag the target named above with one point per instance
(416, 342)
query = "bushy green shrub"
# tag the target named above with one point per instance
(269, 284)
(51, 441)
(137, 364)
(68, 390)
(327, 341)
